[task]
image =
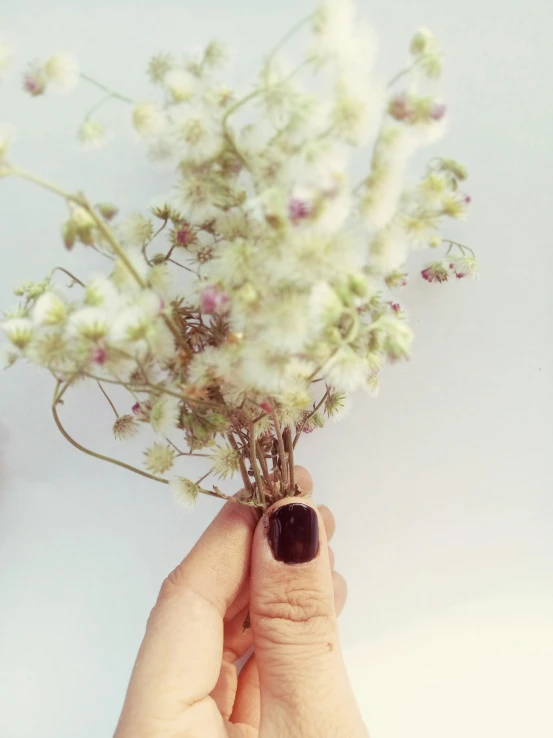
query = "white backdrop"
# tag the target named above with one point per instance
(442, 487)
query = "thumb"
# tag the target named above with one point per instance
(304, 686)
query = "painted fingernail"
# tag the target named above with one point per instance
(293, 533)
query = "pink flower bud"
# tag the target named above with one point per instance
(400, 107)
(136, 409)
(396, 307)
(184, 235)
(99, 355)
(34, 81)
(435, 272)
(468, 199)
(213, 299)
(265, 406)
(298, 210)
(438, 111)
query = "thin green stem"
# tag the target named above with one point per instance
(253, 462)
(18, 172)
(459, 245)
(265, 470)
(290, 449)
(205, 476)
(284, 40)
(65, 271)
(98, 105)
(111, 93)
(402, 73)
(156, 234)
(108, 399)
(243, 470)
(57, 397)
(306, 420)
(281, 450)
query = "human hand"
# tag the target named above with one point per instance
(280, 570)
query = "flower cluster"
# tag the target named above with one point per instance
(252, 298)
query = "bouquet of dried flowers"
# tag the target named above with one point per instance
(244, 306)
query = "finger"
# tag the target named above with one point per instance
(303, 480)
(180, 657)
(247, 706)
(329, 521)
(237, 640)
(340, 592)
(295, 634)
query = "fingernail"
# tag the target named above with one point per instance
(293, 533)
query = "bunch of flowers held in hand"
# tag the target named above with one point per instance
(245, 305)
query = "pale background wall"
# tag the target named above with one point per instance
(442, 487)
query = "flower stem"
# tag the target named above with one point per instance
(111, 93)
(108, 399)
(308, 417)
(403, 73)
(281, 450)
(99, 104)
(65, 271)
(243, 470)
(284, 40)
(290, 448)
(101, 457)
(253, 461)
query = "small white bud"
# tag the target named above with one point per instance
(50, 310)
(63, 71)
(19, 331)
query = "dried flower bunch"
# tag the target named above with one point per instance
(255, 296)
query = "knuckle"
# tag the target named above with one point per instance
(296, 611)
(171, 585)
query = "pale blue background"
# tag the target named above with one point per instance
(442, 487)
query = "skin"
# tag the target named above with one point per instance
(185, 683)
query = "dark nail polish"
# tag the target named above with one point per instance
(293, 533)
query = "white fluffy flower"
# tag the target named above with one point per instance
(131, 324)
(196, 131)
(93, 134)
(148, 119)
(6, 56)
(50, 309)
(6, 138)
(165, 415)
(193, 199)
(20, 331)
(389, 249)
(159, 459)
(334, 27)
(346, 371)
(180, 84)
(211, 364)
(382, 198)
(62, 71)
(268, 371)
(101, 292)
(90, 323)
(185, 492)
(225, 461)
(136, 230)
(325, 307)
(126, 426)
(123, 278)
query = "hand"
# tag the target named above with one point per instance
(280, 570)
